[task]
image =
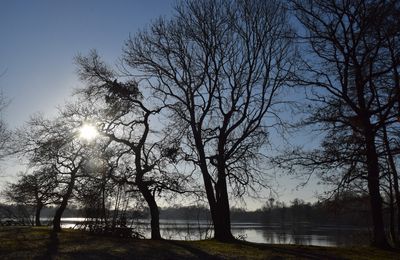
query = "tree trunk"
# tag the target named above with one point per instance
(391, 211)
(154, 212)
(221, 217)
(58, 214)
(103, 203)
(379, 236)
(218, 200)
(219, 206)
(395, 176)
(393, 171)
(64, 203)
(39, 207)
(397, 196)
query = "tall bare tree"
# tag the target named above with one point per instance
(218, 67)
(349, 70)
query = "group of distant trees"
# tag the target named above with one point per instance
(345, 210)
(197, 94)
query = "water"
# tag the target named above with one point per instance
(301, 233)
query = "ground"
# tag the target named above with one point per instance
(41, 243)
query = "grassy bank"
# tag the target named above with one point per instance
(40, 243)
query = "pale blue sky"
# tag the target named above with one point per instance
(39, 39)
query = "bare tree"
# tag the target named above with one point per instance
(218, 67)
(36, 189)
(123, 116)
(349, 71)
(56, 145)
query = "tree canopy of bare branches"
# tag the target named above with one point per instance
(142, 157)
(218, 67)
(37, 189)
(350, 69)
(54, 144)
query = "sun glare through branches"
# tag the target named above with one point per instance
(88, 132)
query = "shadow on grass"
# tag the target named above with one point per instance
(193, 250)
(52, 247)
(301, 253)
(296, 252)
(90, 255)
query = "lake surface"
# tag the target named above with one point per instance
(301, 233)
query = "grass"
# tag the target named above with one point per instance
(41, 243)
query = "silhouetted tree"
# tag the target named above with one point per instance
(350, 73)
(57, 145)
(124, 116)
(35, 189)
(218, 67)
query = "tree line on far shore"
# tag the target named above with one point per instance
(347, 210)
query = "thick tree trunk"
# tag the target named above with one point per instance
(219, 206)
(379, 236)
(39, 207)
(154, 212)
(58, 214)
(221, 216)
(218, 199)
(155, 221)
(64, 203)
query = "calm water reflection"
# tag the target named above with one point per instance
(303, 234)
(306, 235)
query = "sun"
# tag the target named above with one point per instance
(88, 132)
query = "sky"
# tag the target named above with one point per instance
(39, 40)
(38, 43)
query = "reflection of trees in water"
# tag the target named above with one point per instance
(187, 231)
(301, 235)
(274, 237)
(350, 237)
(296, 234)
(307, 235)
